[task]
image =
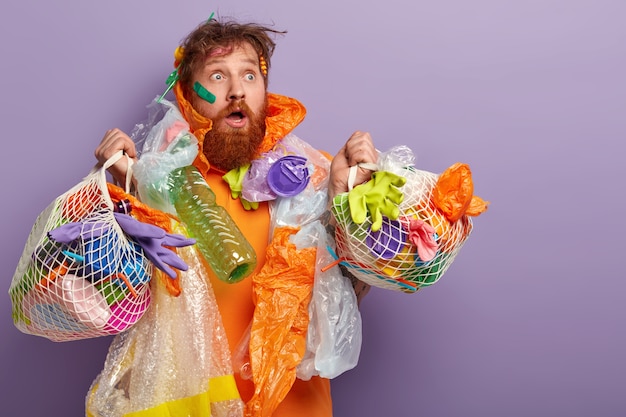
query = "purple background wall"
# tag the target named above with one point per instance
(530, 319)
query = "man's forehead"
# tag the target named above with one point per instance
(220, 51)
(244, 53)
(225, 50)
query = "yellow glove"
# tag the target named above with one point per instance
(235, 178)
(249, 205)
(379, 196)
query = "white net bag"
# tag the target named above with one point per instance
(79, 275)
(409, 251)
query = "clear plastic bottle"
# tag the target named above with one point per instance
(219, 240)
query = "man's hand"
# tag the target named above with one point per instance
(113, 141)
(358, 149)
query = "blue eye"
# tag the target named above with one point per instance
(250, 77)
(217, 77)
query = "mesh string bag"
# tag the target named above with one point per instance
(93, 281)
(390, 256)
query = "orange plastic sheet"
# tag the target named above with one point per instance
(282, 291)
(454, 193)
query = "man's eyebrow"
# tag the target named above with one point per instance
(252, 61)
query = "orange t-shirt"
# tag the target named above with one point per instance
(307, 398)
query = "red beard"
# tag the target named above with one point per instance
(227, 148)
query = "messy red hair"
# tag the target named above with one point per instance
(213, 35)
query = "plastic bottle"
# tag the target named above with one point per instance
(219, 240)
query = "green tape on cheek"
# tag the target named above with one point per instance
(203, 93)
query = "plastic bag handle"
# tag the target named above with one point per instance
(353, 169)
(110, 162)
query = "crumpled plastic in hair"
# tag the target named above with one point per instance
(453, 193)
(282, 291)
(379, 196)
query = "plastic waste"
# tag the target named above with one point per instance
(220, 241)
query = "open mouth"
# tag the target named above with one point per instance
(236, 119)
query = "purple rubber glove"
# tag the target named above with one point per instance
(69, 232)
(152, 240)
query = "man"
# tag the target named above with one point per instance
(222, 94)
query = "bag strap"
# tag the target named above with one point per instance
(99, 171)
(112, 160)
(352, 173)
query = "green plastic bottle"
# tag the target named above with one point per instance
(218, 238)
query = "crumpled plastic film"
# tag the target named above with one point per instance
(175, 361)
(254, 185)
(334, 336)
(454, 193)
(282, 291)
(300, 209)
(167, 144)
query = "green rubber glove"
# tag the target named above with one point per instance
(235, 178)
(249, 205)
(379, 196)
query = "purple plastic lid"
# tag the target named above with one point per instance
(288, 176)
(388, 241)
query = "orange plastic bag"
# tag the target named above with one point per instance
(454, 193)
(282, 291)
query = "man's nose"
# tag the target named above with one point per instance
(236, 91)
